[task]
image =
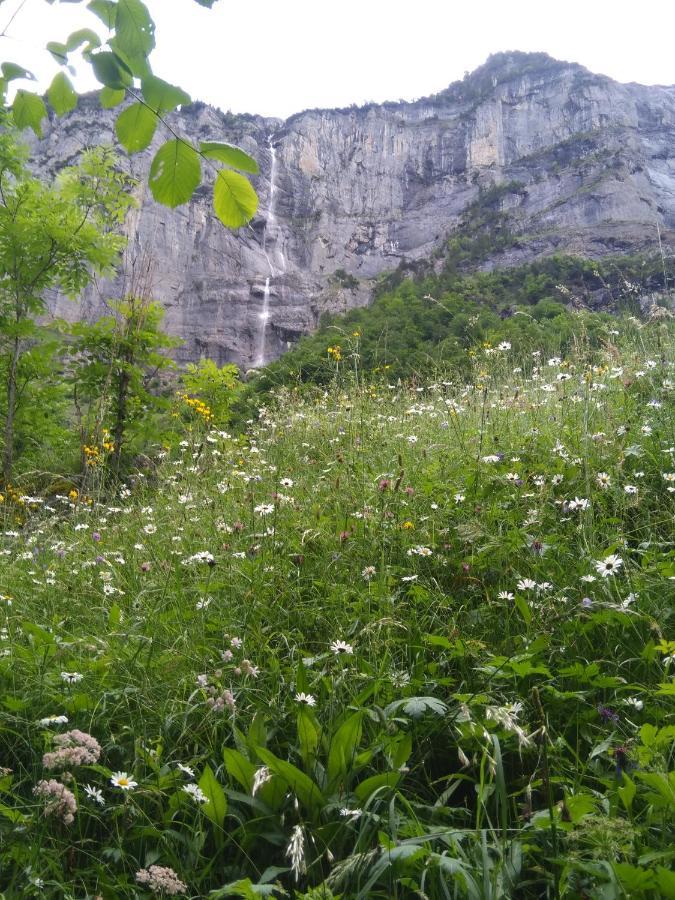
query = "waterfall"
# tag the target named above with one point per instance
(264, 317)
(276, 260)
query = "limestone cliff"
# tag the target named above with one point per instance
(586, 165)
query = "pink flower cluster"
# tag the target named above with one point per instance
(75, 748)
(60, 801)
(218, 703)
(161, 879)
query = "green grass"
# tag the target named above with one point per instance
(484, 739)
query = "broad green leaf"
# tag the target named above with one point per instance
(308, 735)
(239, 768)
(106, 10)
(627, 791)
(257, 733)
(368, 787)
(207, 3)
(109, 97)
(229, 154)
(59, 51)
(175, 173)
(634, 879)
(580, 805)
(134, 34)
(135, 127)
(664, 785)
(28, 111)
(417, 706)
(162, 96)
(302, 786)
(402, 751)
(648, 734)
(12, 71)
(523, 609)
(216, 807)
(12, 814)
(665, 883)
(234, 199)
(83, 36)
(109, 71)
(61, 94)
(343, 749)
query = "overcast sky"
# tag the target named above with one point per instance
(276, 58)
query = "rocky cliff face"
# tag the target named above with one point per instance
(583, 164)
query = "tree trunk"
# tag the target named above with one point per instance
(8, 451)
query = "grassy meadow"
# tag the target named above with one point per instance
(395, 641)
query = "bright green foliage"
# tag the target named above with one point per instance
(230, 155)
(234, 200)
(122, 67)
(161, 96)
(29, 110)
(61, 94)
(175, 173)
(135, 127)
(113, 366)
(50, 236)
(134, 37)
(427, 322)
(306, 645)
(214, 386)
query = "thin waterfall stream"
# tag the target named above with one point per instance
(276, 261)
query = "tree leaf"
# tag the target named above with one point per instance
(234, 199)
(83, 36)
(110, 97)
(61, 94)
(109, 71)
(28, 111)
(135, 127)
(162, 96)
(11, 71)
(59, 51)
(216, 807)
(207, 3)
(229, 154)
(106, 10)
(134, 34)
(175, 173)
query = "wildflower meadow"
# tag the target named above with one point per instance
(391, 640)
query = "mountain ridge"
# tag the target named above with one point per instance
(569, 161)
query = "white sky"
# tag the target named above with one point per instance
(276, 58)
